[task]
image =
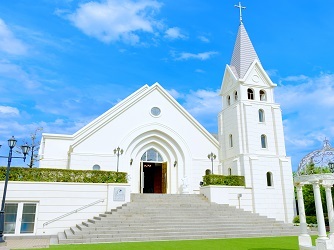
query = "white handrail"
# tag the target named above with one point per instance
(72, 212)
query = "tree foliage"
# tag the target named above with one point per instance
(311, 168)
(308, 194)
(33, 144)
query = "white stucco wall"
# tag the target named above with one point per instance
(268, 202)
(57, 199)
(240, 197)
(176, 135)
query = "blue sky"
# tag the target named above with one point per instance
(65, 62)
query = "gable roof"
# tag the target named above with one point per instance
(125, 104)
(244, 53)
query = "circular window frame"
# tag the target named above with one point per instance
(155, 112)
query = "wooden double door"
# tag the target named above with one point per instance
(153, 177)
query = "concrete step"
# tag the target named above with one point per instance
(157, 232)
(169, 237)
(172, 217)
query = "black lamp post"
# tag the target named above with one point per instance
(211, 156)
(331, 166)
(118, 152)
(25, 148)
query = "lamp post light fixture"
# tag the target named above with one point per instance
(212, 156)
(118, 151)
(331, 166)
(25, 149)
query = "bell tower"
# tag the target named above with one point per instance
(251, 131)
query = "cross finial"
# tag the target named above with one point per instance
(240, 9)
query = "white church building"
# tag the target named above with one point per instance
(164, 149)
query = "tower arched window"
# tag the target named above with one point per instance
(229, 171)
(261, 115)
(263, 95)
(263, 141)
(269, 179)
(231, 140)
(250, 94)
(236, 95)
(228, 100)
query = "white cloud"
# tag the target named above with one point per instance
(116, 20)
(174, 93)
(203, 102)
(295, 78)
(7, 110)
(307, 94)
(9, 43)
(14, 71)
(307, 104)
(204, 39)
(201, 56)
(272, 72)
(174, 33)
(199, 71)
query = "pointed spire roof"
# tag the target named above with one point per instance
(243, 54)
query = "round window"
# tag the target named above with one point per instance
(155, 111)
(96, 167)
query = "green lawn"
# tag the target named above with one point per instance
(270, 243)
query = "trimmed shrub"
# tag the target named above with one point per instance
(207, 172)
(62, 175)
(309, 219)
(229, 180)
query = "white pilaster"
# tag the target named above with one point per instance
(304, 238)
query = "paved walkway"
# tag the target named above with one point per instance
(25, 242)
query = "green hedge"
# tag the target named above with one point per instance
(62, 175)
(312, 219)
(229, 180)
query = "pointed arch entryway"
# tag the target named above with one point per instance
(160, 149)
(153, 172)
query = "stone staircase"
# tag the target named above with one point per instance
(154, 217)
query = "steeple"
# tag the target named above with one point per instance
(244, 53)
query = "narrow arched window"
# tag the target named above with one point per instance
(231, 141)
(229, 171)
(250, 94)
(263, 96)
(236, 96)
(228, 100)
(261, 115)
(269, 179)
(263, 141)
